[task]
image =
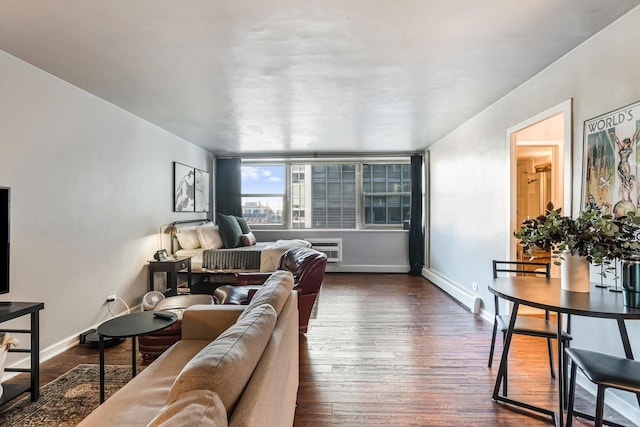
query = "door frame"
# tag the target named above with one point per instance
(565, 159)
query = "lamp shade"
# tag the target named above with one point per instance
(172, 230)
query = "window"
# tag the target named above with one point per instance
(387, 193)
(333, 196)
(298, 197)
(263, 191)
(316, 195)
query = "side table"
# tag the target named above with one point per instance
(131, 325)
(12, 310)
(170, 266)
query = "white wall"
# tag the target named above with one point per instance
(91, 186)
(469, 178)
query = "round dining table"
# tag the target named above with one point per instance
(547, 294)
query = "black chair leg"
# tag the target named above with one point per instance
(506, 367)
(493, 342)
(565, 364)
(572, 392)
(550, 348)
(600, 406)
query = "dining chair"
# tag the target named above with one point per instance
(605, 371)
(527, 325)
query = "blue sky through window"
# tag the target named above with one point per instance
(263, 179)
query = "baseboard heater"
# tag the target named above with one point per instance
(332, 247)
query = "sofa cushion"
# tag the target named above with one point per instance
(274, 291)
(229, 230)
(193, 408)
(226, 364)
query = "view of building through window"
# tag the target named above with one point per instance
(387, 189)
(321, 196)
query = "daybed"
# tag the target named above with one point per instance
(235, 365)
(229, 247)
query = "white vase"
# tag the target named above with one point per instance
(574, 273)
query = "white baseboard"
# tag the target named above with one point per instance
(45, 354)
(471, 301)
(366, 268)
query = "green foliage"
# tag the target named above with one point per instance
(594, 234)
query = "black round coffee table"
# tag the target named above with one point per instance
(131, 325)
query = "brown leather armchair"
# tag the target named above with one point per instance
(306, 265)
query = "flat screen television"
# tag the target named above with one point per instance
(5, 227)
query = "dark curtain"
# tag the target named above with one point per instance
(416, 230)
(228, 186)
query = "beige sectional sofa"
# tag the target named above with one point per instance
(235, 366)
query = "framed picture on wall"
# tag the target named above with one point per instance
(183, 188)
(611, 164)
(201, 191)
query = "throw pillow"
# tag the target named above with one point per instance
(193, 408)
(229, 230)
(248, 239)
(226, 364)
(243, 225)
(275, 291)
(188, 238)
(209, 236)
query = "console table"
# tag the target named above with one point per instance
(13, 310)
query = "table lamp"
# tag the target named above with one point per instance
(172, 230)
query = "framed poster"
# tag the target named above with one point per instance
(202, 191)
(183, 188)
(611, 160)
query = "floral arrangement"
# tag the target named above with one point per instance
(594, 234)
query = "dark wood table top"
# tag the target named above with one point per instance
(547, 294)
(134, 324)
(11, 309)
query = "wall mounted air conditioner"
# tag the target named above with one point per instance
(330, 246)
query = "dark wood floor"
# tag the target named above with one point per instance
(396, 350)
(393, 350)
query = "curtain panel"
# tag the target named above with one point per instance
(228, 186)
(416, 228)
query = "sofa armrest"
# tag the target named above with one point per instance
(251, 278)
(206, 322)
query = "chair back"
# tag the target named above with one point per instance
(308, 268)
(522, 268)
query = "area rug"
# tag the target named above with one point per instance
(68, 399)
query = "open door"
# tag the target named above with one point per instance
(540, 170)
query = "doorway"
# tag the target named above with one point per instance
(540, 171)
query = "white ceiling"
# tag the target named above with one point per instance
(303, 76)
